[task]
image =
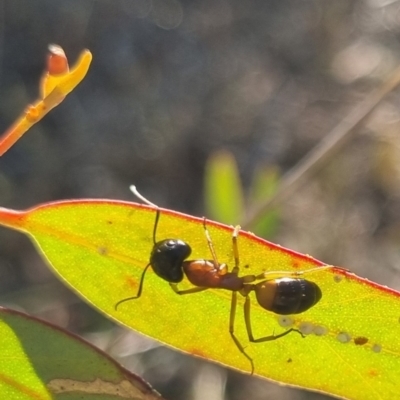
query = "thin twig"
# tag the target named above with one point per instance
(324, 150)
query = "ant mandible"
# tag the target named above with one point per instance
(283, 296)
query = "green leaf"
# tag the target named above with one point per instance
(351, 345)
(223, 190)
(265, 183)
(39, 361)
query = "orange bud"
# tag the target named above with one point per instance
(57, 62)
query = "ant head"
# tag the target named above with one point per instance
(167, 258)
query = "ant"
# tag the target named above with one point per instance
(286, 295)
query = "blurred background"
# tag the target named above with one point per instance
(174, 82)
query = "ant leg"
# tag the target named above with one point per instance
(250, 330)
(232, 316)
(235, 269)
(174, 287)
(235, 247)
(139, 293)
(232, 330)
(291, 273)
(210, 246)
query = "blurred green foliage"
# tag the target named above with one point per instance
(174, 81)
(224, 194)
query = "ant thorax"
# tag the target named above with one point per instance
(204, 273)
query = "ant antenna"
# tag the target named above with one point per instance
(139, 196)
(134, 190)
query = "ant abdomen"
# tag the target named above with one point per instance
(167, 258)
(287, 295)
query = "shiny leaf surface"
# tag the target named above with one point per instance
(350, 346)
(39, 361)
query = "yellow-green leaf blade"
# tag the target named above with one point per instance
(101, 247)
(39, 361)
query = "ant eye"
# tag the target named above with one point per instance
(170, 243)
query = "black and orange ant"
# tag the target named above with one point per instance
(286, 295)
